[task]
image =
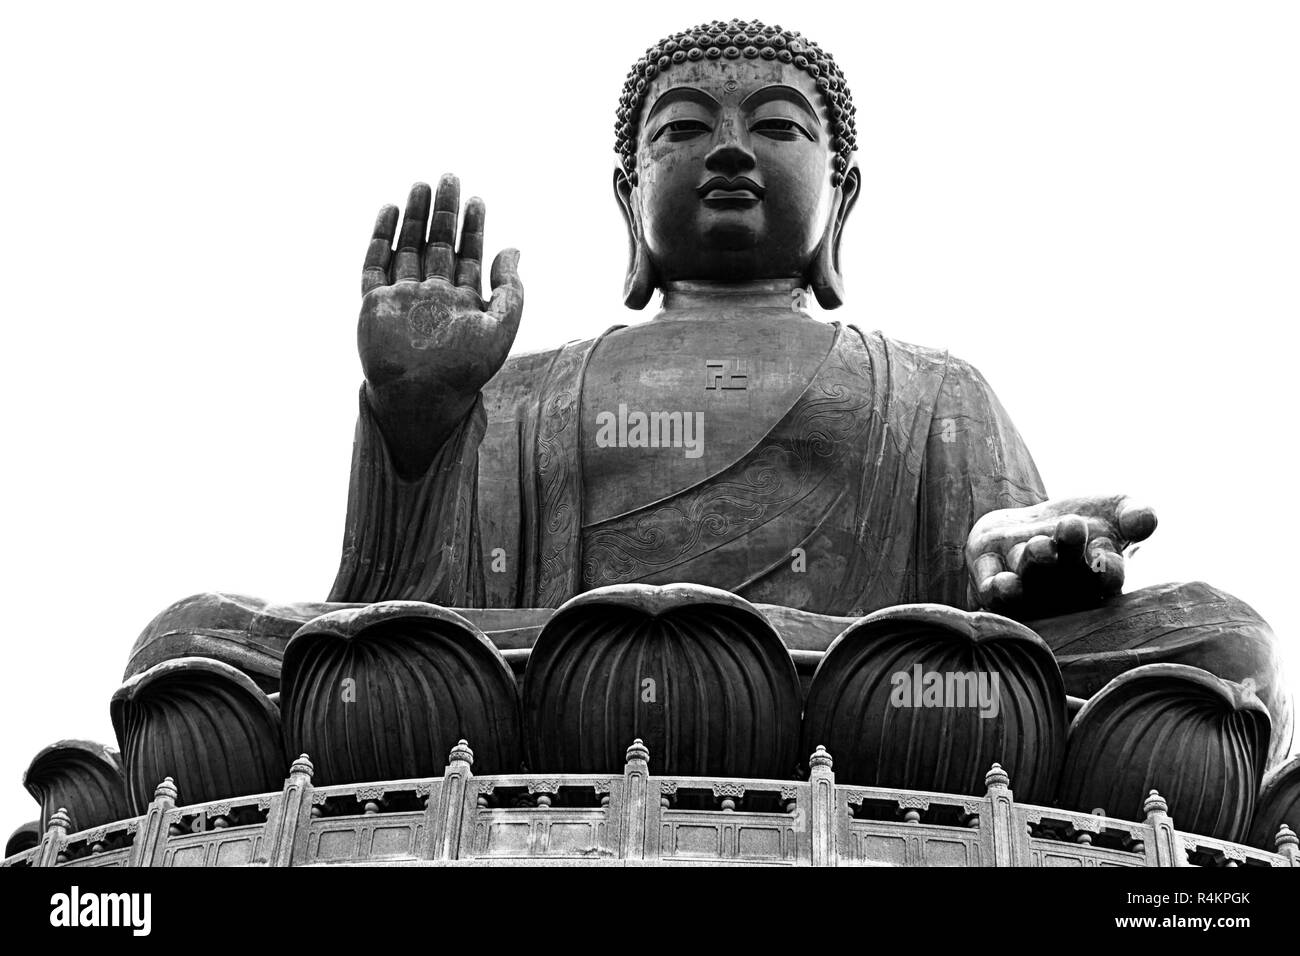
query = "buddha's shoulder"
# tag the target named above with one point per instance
(523, 374)
(920, 358)
(525, 364)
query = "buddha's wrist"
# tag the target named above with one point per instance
(416, 423)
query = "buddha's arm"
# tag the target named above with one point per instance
(975, 463)
(1025, 554)
(429, 344)
(411, 539)
(426, 538)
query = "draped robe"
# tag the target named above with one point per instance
(874, 475)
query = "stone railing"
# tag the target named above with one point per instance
(635, 818)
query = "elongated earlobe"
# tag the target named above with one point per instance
(640, 282)
(824, 272)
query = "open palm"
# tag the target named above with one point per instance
(428, 340)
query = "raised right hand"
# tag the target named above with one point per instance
(428, 341)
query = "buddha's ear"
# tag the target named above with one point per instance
(640, 282)
(824, 272)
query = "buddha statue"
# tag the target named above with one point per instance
(816, 472)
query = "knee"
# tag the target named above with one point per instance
(230, 628)
(1193, 624)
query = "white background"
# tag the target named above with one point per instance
(1095, 203)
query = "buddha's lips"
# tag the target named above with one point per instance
(740, 189)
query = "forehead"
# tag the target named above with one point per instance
(731, 81)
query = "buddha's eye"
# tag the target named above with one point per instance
(774, 128)
(682, 129)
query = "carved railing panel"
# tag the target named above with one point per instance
(728, 820)
(883, 826)
(109, 858)
(887, 844)
(235, 846)
(580, 834)
(1068, 838)
(216, 833)
(730, 837)
(372, 836)
(1208, 852)
(539, 815)
(1056, 853)
(107, 842)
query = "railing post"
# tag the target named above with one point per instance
(289, 822)
(454, 805)
(823, 830)
(426, 848)
(150, 842)
(50, 849)
(636, 799)
(1005, 842)
(1169, 851)
(1288, 844)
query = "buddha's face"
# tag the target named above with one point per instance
(734, 168)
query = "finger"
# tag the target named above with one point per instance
(380, 254)
(1002, 592)
(439, 261)
(507, 303)
(1040, 551)
(1071, 537)
(986, 566)
(410, 246)
(1016, 555)
(984, 571)
(1100, 545)
(1135, 521)
(469, 257)
(1108, 567)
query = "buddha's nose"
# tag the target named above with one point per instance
(731, 154)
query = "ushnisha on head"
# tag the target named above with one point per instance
(736, 143)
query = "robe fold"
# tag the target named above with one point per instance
(860, 496)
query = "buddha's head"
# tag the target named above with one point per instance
(736, 145)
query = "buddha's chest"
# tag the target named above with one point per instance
(667, 404)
